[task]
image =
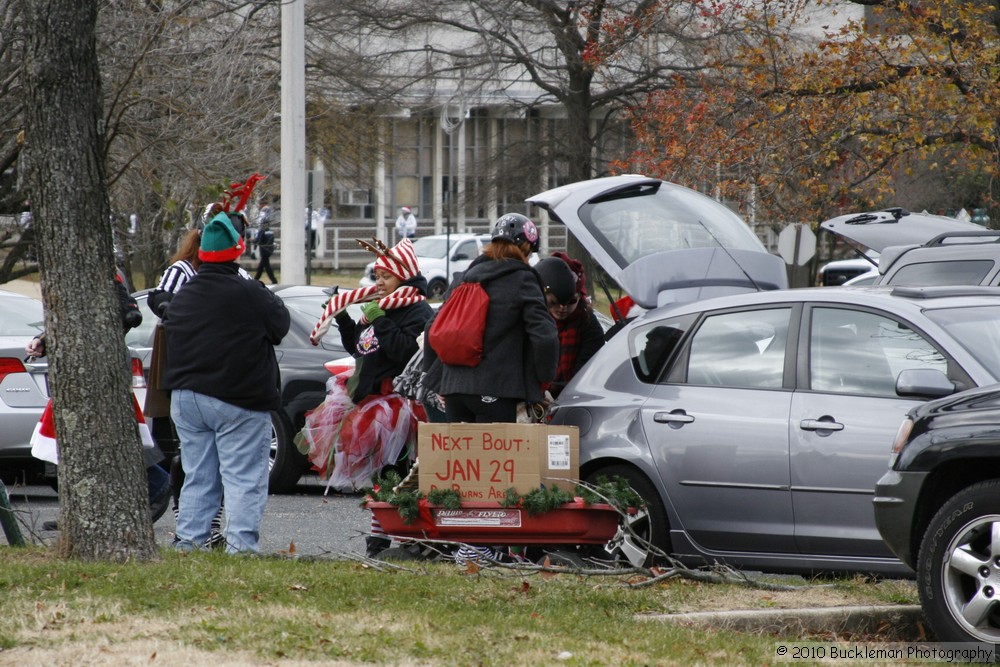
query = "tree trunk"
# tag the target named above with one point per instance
(579, 157)
(104, 508)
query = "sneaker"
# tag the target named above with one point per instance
(479, 555)
(216, 540)
(376, 545)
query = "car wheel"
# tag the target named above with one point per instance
(958, 569)
(436, 288)
(286, 463)
(648, 525)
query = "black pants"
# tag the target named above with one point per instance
(265, 265)
(469, 408)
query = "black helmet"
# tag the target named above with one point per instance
(558, 279)
(517, 229)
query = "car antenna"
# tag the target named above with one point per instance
(753, 282)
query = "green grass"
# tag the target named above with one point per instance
(436, 614)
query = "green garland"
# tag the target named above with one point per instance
(617, 493)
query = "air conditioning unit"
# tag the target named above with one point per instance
(353, 197)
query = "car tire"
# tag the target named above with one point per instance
(650, 524)
(286, 463)
(436, 288)
(958, 569)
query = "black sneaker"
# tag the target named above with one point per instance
(376, 545)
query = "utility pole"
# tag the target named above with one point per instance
(293, 142)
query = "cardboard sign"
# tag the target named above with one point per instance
(482, 461)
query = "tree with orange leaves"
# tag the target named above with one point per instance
(816, 127)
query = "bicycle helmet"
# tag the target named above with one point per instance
(517, 229)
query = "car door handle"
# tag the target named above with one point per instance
(676, 418)
(823, 424)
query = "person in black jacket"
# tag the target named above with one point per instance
(364, 425)
(520, 343)
(220, 403)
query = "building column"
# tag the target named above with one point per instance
(437, 175)
(460, 176)
(378, 196)
(492, 141)
(543, 216)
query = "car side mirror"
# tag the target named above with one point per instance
(924, 383)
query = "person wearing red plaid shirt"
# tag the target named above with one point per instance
(580, 333)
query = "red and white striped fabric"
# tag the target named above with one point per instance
(44, 442)
(400, 261)
(403, 296)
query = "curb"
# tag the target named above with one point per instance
(890, 622)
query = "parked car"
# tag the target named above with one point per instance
(303, 377)
(24, 389)
(842, 271)
(867, 278)
(938, 509)
(23, 384)
(440, 257)
(754, 424)
(918, 249)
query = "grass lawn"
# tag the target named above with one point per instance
(211, 608)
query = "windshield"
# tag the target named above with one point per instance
(431, 246)
(21, 317)
(639, 223)
(976, 329)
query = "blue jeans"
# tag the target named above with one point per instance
(223, 447)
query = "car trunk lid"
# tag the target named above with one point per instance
(663, 242)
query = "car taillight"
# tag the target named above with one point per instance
(138, 379)
(10, 365)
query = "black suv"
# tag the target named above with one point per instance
(938, 509)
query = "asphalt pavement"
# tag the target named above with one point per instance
(317, 524)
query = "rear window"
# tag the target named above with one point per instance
(20, 316)
(639, 223)
(928, 274)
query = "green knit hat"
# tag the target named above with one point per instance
(219, 241)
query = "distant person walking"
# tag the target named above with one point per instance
(264, 240)
(221, 404)
(406, 224)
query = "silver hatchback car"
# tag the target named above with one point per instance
(754, 422)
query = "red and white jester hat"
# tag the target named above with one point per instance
(400, 261)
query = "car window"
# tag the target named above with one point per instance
(467, 248)
(926, 274)
(858, 352)
(744, 349)
(653, 345)
(21, 317)
(976, 329)
(431, 246)
(631, 226)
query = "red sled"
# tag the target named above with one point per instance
(490, 524)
